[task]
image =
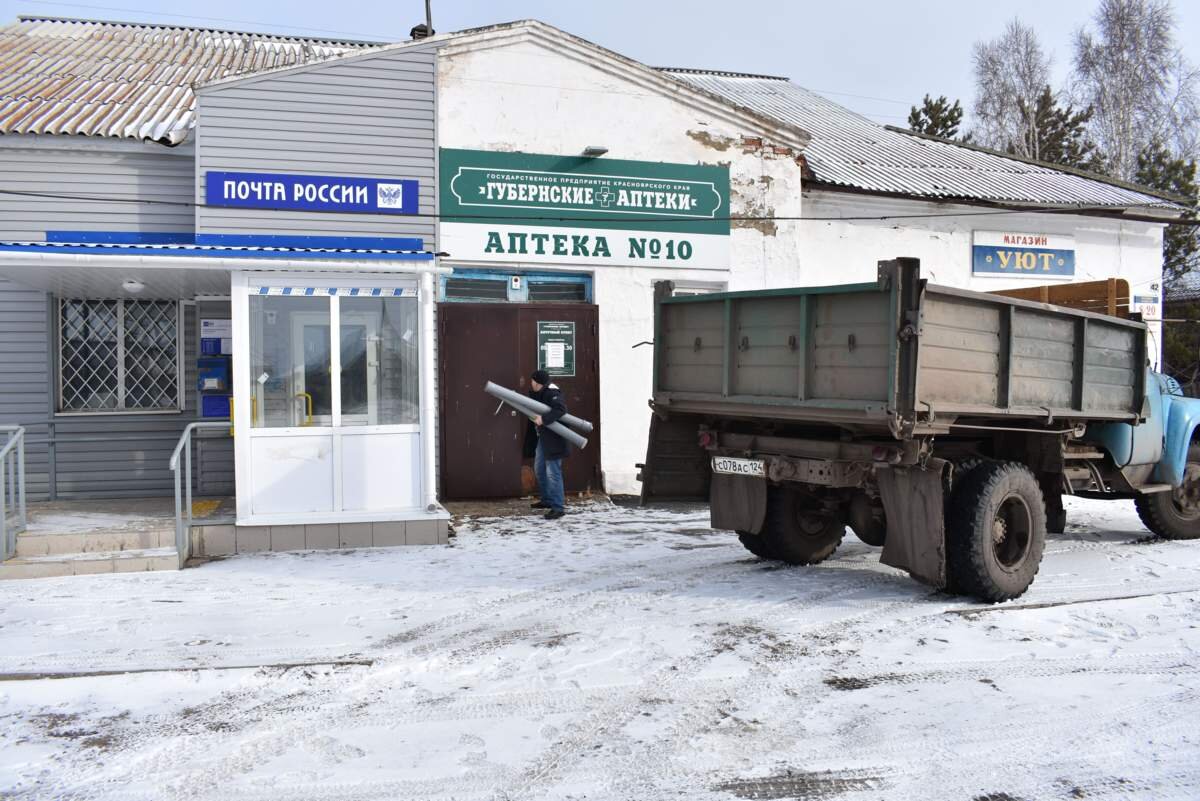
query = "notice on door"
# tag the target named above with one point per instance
(556, 347)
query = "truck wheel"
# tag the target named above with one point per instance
(797, 533)
(995, 531)
(755, 544)
(1175, 515)
(868, 521)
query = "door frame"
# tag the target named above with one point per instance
(369, 323)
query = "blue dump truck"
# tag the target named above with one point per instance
(942, 425)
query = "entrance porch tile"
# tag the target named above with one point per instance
(355, 535)
(251, 539)
(322, 536)
(421, 532)
(130, 564)
(88, 567)
(387, 535)
(216, 540)
(287, 538)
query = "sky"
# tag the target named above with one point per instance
(878, 58)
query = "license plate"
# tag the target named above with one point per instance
(731, 466)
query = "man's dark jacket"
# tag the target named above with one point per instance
(553, 446)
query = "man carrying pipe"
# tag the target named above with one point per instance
(546, 446)
(528, 405)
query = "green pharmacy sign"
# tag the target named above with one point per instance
(574, 192)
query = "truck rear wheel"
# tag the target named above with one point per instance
(796, 531)
(1175, 515)
(755, 544)
(995, 531)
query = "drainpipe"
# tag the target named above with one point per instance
(428, 416)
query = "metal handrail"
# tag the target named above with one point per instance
(12, 491)
(183, 532)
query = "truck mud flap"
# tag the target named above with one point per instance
(676, 467)
(914, 503)
(739, 503)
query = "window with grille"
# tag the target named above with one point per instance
(118, 355)
(558, 291)
(477, 289)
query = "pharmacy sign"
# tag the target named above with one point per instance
(571, 209)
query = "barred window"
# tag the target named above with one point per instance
(118, 355)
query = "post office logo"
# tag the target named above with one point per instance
(389, 196)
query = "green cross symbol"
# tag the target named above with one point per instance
(605, 196)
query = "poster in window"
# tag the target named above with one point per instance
(556, 347)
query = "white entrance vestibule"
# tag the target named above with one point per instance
(333, 397)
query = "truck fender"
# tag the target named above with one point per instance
(1183, 415)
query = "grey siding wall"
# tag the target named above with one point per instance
(65, 166)
(371, 117)
(25, 386)
(92, 455)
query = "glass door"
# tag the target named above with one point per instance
(311, 344)
(360, 369)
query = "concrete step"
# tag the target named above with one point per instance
(36, 543)
(78, 564)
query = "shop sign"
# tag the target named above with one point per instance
(1013, 254)
(255, 190)
(1146, 305)
(556, 347)
(570, 209)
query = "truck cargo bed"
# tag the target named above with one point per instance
(898, 353)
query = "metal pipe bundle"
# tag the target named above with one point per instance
(531, 408)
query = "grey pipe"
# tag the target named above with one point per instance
(558, 428)
(524, 402)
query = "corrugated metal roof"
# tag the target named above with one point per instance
(128, 80)
(849, 150)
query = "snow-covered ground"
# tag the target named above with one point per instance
(619, 654)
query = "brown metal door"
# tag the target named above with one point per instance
(481, 450)
(581, 469)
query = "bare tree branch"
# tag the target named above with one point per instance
(1008, 68)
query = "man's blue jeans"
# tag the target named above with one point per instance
(549, 478)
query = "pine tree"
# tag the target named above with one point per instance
(936, 117)
(1055, 134)
(1158, 169)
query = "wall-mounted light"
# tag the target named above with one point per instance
(594, 151)
(133, 286)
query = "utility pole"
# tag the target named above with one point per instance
(429, 16)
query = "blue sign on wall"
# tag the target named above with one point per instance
(255, 190)
(1022, 255)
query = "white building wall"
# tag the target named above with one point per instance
(837, 251)
(524, 96)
